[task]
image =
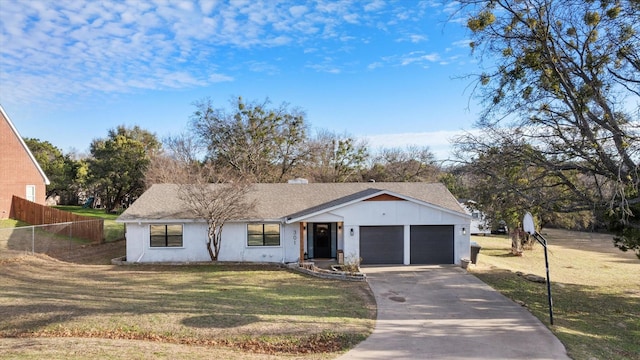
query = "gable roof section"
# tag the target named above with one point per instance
(277, 202)
(366, 195)
(24, 145)
(343, 201)
(385, 197)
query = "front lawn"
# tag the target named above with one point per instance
(239, 311)
(595, 287)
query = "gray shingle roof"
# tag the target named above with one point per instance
(280, 201)
(334, 203)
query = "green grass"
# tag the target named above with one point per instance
(260, 308)
(595, 288)
(79, 210)
(112, 230)
(11, 223)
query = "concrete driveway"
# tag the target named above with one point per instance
(443, 312)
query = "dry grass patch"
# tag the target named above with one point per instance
(259, 309)
(92, 348)
(595, 287)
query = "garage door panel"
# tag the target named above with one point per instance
(382, 244)
(432, 244)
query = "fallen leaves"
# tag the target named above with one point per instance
(325, 342)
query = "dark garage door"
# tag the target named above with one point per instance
(432, 244)
(382, 244)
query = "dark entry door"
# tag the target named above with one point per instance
(322, 240)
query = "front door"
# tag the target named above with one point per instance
(322, 240)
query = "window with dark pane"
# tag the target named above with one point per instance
(166, 235)
(263, 234)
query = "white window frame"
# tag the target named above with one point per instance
(264, 235)
(166, 239)
(31, 193)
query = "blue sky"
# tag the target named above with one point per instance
(382, 70)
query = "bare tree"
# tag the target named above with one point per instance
(411, 164)
(175, 162)
(507, 182)
(213, 194)
(336, 158)
(216, 203)
(256, 140)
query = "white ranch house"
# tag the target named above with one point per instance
(382, 223)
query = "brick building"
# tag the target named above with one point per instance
(20, 173)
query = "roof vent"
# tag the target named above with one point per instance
(298, 181)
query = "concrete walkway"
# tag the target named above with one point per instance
(443, 312)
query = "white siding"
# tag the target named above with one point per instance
(234, 236)
(193, 248)
(406, 213)
(233, 248)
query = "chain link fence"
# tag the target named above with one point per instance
(55, 240)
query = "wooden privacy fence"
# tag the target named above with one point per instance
(83, 227)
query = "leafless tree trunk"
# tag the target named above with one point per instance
(216, 203)
(213, 195)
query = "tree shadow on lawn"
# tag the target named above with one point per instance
(589, 320)
(45, 295)
(587, 241)
(19, 319)
(220, 321)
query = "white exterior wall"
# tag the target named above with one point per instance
(194, 245)
(479, 222)
(194, 239)
(235, 248)
(234, 236)
(406, 213)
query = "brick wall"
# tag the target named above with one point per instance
(17, 170)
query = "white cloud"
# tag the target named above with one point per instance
(351, 18)
(263, 67)
(462, 43)
(417, 38)
(279, 41)
(207, 6)
(413, 38)
(374, 65)
(178, 79)
(79, 47)
(326, 68)
(431, 57)
(185, 5)
(451, 7)
(374, 5)
(216, 78)
(418, 57)
(298, 10)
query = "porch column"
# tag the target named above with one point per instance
(302, 240)
(407, 245)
